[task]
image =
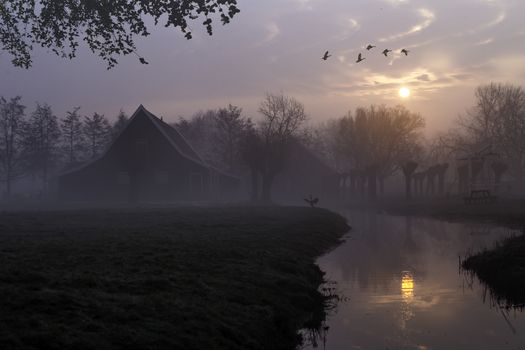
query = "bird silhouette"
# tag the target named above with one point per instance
(405, 51)
(143, 61)
(326, 55)
(370, 47)
(386, 51)
(359, 58)
(312, 201)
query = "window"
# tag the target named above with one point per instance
(123, 178)
(162, 177)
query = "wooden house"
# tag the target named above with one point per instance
(148, 161)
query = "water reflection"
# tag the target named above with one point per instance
(405, 292)
(407, 286)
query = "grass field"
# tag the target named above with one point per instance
(194, 278)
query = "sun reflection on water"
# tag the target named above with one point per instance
(407, 285)
(407, 293)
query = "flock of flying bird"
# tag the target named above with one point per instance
(368, 48)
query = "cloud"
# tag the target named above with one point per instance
(461, 76)
(484, 42)
(276, 45)
(348, 27)
(303, 4)
(272, 31)
(396, 2)
(493, 22)
(428, 17)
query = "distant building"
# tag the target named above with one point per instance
(304, 174)
(148, 161)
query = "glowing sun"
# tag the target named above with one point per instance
(404, 92)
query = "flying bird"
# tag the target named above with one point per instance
(143, 61)
(370, 47)
(405, 51)
(359, 58)
(326, 55)
(386, 51)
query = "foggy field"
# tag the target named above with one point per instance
(187, 278)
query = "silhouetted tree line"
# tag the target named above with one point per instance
(366, 146)
(227, 139)
(38, 144)
(371, 144)
(490, 135)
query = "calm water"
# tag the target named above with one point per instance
(403, 289)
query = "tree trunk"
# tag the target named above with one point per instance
(441, 183)
(45, 178)
(372, 182)
(408, 170)
(8, 181)
(254, 185)
(408, 186)
(353, 186)
(381, 181)
(267, 188)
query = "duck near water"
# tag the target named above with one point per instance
(312, 201)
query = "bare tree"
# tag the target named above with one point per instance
(498, 120)
(41, 137)
(119, 124)
(232, 127)
(200, 128)
(408, 171)
(252, 152)
(283, 117)
(72, 136)
(377, 141)
(11, 122)
(323, 140)
(96, 130)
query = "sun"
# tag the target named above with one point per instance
(404, 92)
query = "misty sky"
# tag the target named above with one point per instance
(276, 45)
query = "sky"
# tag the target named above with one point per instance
(276, 46)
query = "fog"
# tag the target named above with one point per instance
(274, 174)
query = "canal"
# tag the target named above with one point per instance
(400, 287)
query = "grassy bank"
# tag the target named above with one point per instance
(502, 269)
(207, 278)
(506, 211)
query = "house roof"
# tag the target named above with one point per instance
(174, 137)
